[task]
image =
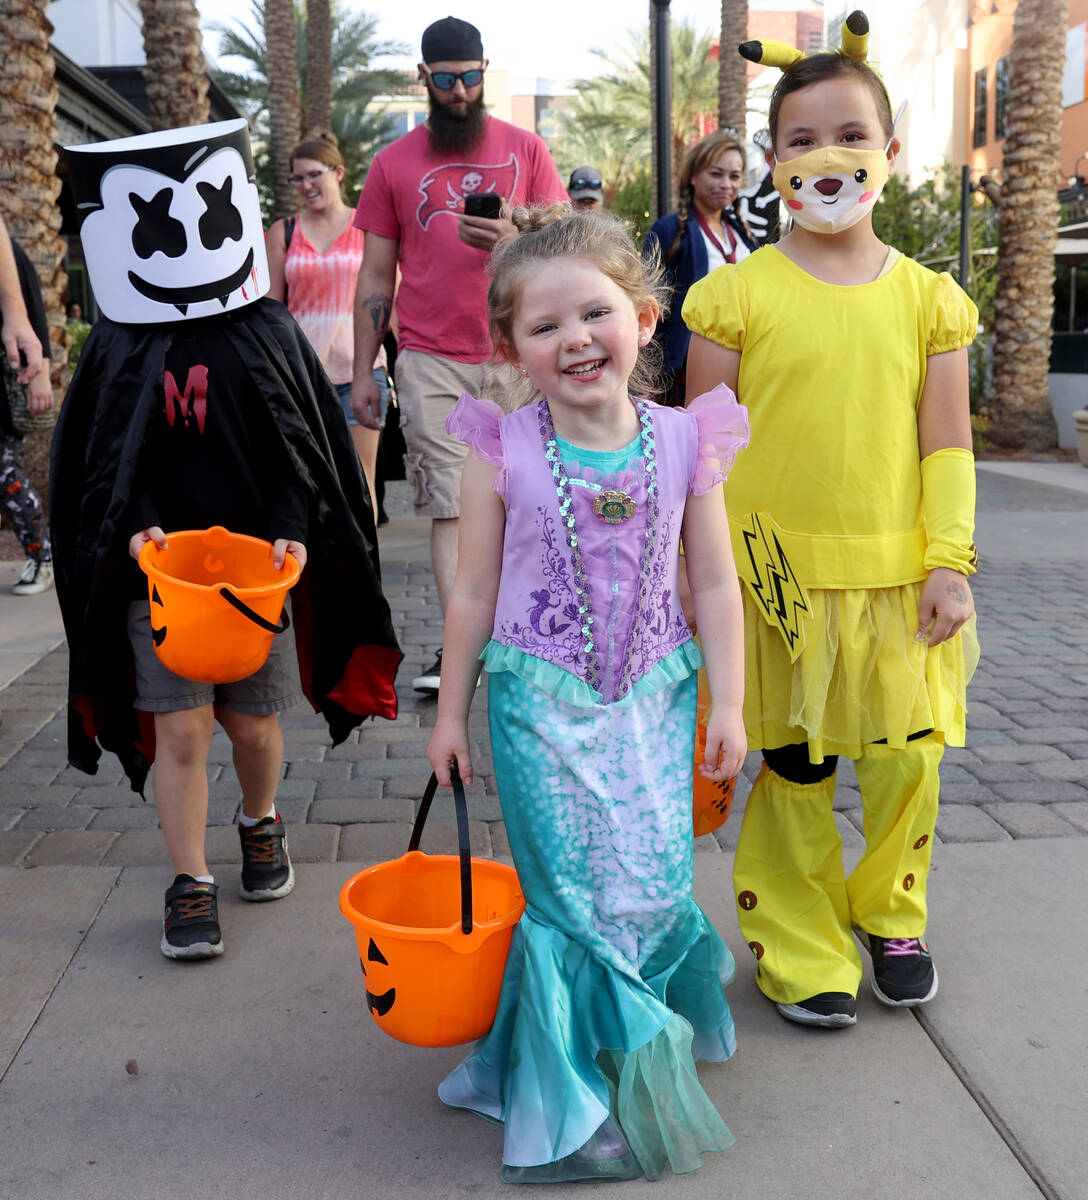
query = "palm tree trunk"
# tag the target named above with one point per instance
(176, 73)
(318, 65)
(732, 69)
(29, 185)
(1018, 407)
(283, 115)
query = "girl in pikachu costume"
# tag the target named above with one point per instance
(852, 517)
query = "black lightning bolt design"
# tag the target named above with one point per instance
(774, 585)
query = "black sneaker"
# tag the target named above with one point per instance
(903, 972)
(831, 1010)
(431, 678)
(267, 873)
(37, 577)
(190, 924)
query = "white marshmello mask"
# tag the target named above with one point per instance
(171, 223)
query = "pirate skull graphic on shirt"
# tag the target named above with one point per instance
(171, 222)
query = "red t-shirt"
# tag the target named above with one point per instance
(414, 196)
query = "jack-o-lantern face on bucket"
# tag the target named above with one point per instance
(379, 1005)
(171, 223)
(158, 636)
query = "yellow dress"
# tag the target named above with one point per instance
(828, 525)
(832, 377)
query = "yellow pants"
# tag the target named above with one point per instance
(795, 904)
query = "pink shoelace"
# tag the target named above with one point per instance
(903, 947)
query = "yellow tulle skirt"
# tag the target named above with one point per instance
(861, 677)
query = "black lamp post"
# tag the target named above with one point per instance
(662, 62)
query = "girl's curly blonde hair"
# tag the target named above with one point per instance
(560, 231)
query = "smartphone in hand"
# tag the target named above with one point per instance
(483, 204)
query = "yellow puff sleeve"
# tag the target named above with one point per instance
(953, 321)
(716, 307)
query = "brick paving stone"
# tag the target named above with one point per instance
(109, 774)
(33, 795)
(1075, 770)
(707, 844)
(961, 823)
(70, 848)
(51, 817)
(123, 819)
(137, 848)
(849, 826)
(313, 843)
(1076, 814)
(1041, 791)
(350, 810)
(986, 737)
(375, 842)
(982, 716)
(500, 844)
(389, 768)
(407, 787)
(110, 797)
(352, 789)
(1002, 772)
(15, 843)
(1074, 749)
(1030, 820)
(10, 817)
(1018, 754)
(405, 726)
(33, 766)
(1050, 734)
(309, 737)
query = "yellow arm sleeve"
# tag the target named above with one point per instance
(948, 495)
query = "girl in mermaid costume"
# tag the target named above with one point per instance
(566, 588)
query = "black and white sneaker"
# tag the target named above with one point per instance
(903, 972)
(190, 924)
(830, 1010)
(267, 873)
(431, 678)
(37, 577)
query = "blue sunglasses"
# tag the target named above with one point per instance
(446, 81)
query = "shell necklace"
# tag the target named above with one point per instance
(613, 507)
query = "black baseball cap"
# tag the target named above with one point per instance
(452, 40)
(586, 181)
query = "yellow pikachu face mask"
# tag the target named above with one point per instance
(831, 188)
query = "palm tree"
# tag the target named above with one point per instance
(318, 64)
(614, 109)
(175, 70)
(357, 122)
(284, 125)
(1018, 406)
(28, 171)
(732, 69)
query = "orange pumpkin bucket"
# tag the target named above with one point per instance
(216, 600)
(433, 933)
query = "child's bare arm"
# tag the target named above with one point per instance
(944, 424)
(709, 364)
(716, 596)
(470, 617)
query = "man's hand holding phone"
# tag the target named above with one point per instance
(482, 223)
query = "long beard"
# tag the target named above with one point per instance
(450, 134)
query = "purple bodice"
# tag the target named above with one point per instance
(537, 610)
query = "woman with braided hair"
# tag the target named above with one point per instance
(705, 232)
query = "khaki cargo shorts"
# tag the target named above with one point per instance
(427, 390)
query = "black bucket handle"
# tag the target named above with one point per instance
(255, 617)
(465, 851)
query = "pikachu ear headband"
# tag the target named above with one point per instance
(855, 44)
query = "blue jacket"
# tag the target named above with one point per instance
(688, 265)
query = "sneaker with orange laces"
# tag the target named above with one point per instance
(190, 924)
(267, 873)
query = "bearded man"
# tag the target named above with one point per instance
(413, 211)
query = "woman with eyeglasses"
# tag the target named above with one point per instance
(705, 232)
(313, 263)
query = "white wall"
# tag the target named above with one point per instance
(98, 33)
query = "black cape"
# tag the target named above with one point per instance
(347, 650)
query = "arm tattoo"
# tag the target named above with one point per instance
(958, 592)
(380, 307)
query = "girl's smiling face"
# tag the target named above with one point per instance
(840, 111)
(576, 334)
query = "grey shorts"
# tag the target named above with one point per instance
(270, 690)
(427, 389)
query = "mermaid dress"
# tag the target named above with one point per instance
(613, 986)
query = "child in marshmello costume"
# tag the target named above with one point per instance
(852, 517)
(198, 402)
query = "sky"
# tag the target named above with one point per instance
(549, 41)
